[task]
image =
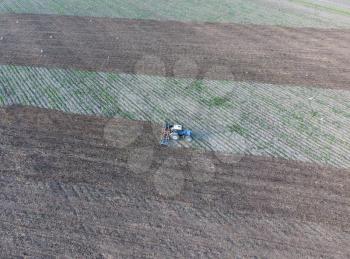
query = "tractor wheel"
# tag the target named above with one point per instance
(174, 136)
(188, 138)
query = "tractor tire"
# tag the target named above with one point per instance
(188, 138)
(174, 136)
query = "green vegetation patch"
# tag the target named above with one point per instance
(237, 128)
(198, 86)
(217, 101)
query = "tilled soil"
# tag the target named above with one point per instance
(296, 56)
(84, 186)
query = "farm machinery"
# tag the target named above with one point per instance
(174, 132)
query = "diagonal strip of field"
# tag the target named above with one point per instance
(73, 192)
(301, 123)
(299, 13)
(267, 54)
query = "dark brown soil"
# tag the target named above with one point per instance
(303, 56)
(66, 189)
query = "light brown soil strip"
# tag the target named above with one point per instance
(71, 190)
(297, 56)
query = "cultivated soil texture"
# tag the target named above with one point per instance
(73, 186)
(267, 54)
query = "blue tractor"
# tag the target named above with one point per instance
(174, 132)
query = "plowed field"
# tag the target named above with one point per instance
(267, 54)
(70, 186)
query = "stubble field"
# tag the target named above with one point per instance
(307, 124)
(292, 13)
